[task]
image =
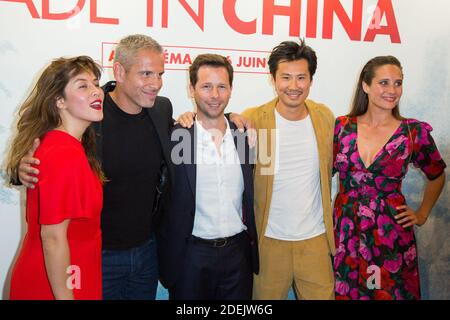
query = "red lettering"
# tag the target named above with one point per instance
(384, 8)
(352, 27)
(293, 11)
(311, 19)
(111, 56)
(30, 6)
(149, 13)
(187, 59)
(175, 58)
(198, 18)
(96, 19)
(261, 62)
(46, 14)
(165, 14)
(229, 13)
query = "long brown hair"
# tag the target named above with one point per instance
(360, 101)
(39, 114)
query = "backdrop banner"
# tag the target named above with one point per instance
(344, 33)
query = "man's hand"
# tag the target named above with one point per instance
(243, 123)
(27, 174)
(186, 120)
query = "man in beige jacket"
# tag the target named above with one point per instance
(292, 182)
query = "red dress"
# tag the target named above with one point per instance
(67, 189)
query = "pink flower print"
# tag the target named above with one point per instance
(352, 246)
(353, 275)
(423, 136)
(373, 204)
(392, 146)
(341, 157)
(411, 281)
(365, 252)
(435, 155)
(366, 212)
(339, 256)
(354, 159)
(353, 193)
(398, 295)
(361, 177)
(419, 158)
(354, 293)
(368, 217)
(346, 142)
(342, 287)
(341, 162)
(386, 231)
(376, 251)
(385, 184)
(410, 255)
(366, 224)
(393, 168)
(406, 236)
(378, 204)
(394, 200)
(369, 191)
(347, 228)
(426, 127)
(393, 265)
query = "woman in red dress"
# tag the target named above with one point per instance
(60, 256)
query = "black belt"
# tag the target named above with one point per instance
(218, 242)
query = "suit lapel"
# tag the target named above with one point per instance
(243, 153)
(190, 164)
(162, 132)
(246, 166)
(268, 124)
(318, 131)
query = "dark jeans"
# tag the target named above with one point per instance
(215, 272)
(131, 274)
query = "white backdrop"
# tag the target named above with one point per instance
(343, 33)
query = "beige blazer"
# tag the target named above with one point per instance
(263, 118)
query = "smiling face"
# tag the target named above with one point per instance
(292, 83)
(82, 101)
(141, 81)
(386, 88)
(211, 92)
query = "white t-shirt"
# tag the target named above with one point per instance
(296, 211)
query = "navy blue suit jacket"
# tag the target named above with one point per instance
(177, 223)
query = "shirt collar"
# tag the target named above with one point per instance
(203, 134)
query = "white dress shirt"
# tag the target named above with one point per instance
(219, 187)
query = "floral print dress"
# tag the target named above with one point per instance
(376, 258)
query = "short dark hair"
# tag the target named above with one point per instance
(212, 60)
(292, 51)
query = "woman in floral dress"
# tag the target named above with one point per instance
(376, 256)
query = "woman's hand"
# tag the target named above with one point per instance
(408, 217)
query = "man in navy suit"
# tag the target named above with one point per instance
(207, 239)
